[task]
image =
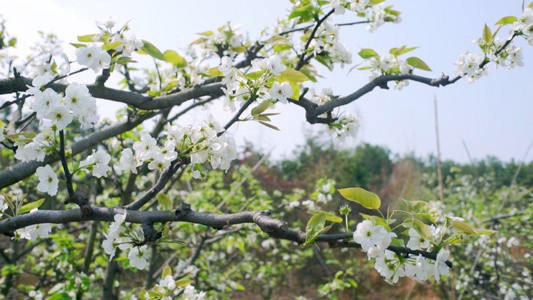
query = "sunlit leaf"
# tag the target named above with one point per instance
(464, 227)
(26, 208)
(361, 196)
(367, 53)
(416, 62)
(329, 215)
(87, 38)
(174, 58)
(487, 34)
(269, 125)
(152, 50)
(111, 45)
(506, 20)
(164, 201)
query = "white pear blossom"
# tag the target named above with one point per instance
(32, 232)
(137, 257)
(60, 116)
(128, 161)
(281, 91)
(97, 163)
(47, 180)
(93, 57)
(374, 239)
(417, 241)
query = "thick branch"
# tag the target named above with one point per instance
(24, 170)
(274, 228)
(12, 85)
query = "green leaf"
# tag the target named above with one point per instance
(215, 72)
(206, 33)
(301, 11)
(295, 90)
(26, 208)
(367, 53)
(484, 231)
(152, 50)
(329, 215)
(373, 2)
(420, 227)
(183, 282)
(12, 42)
(261, 107)
(487, 34)
(424, 209)
(239, 49)
(111, 45)
(166, 271)
(464, 227)
(78, 45)
(277, 39)
(416, 62)
(324, 61)
(401, 50)
(122, 60)
(269, 125)
(507, 20)
(174, 58)
(254, 75)
(164, 201)
(397, 242)
(281, 47)
(86, 38)
(293, 75)
(530, 5)
(9, 201)
(2, 123)
(315, 227)
(361, 196)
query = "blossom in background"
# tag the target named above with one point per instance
(47, 180)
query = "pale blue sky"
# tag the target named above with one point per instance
(493, 115)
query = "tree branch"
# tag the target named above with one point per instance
(184, 213)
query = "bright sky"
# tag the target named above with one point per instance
(493, 116)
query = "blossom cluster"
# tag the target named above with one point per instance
(123, 40)
(469, 64)
(35, 231)
(226, 40)
(374, 240)
(376, 15)
(327, 41)
(122, 237)
(202, 143)
(241, 88)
